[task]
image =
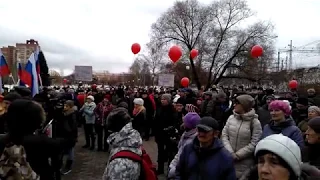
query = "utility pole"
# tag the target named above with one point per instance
(278, 62)
(290, 55)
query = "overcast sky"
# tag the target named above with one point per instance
(100, 33)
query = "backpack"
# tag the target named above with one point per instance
(148, 170)
(14, 164)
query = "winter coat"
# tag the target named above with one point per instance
(310, 154)
(186, 138)
(101, 113)
(139, 120)
(88, 112)
(287, 128)
(67, 126)
(213, 163)
(240, 136)
(123, 168)
(164, 118)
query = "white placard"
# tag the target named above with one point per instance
(83, 73)
(166, 80)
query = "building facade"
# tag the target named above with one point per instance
(24, 50)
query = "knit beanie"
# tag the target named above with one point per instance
(191, 120)
(315, 109)
(285, 148)
(166, 97)
(246, 101)
(314, 124)
(138, 101)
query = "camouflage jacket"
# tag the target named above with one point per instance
(121, 168)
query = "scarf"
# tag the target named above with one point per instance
(137, 110)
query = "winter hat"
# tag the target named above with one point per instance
(221, 94)
(207, 124)
(314, 124)
(191, 120)
(138, 101)
(283, 147)
(90, 97)
(166, 97)
(123, 105)
(284, 106)
(117, 118)
(181, 101)
(246, 101)
(175, 99)
(315, 109)
(208, 93)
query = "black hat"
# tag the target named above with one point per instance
(314, 124)
(208, 123)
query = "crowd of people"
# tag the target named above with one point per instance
(222, 133)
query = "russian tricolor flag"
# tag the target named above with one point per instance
(23, 75)
(4, 69)
(30, 76)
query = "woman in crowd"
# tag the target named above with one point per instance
(313, 111)
(281, 122)
(311, 153)
(190, 122)
(279, 158)
(241, 133)
(139, 115)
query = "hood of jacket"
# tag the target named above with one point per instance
(126, 139)
(187, 137)
(278, 127)
(246, 116)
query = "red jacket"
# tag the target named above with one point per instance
(82, 99)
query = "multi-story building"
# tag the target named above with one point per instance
(24, 50)
(10, 54)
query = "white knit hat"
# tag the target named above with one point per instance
(90, 97)
(138, 101)
(283, 147)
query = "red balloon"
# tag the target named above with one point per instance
(65, 80)
(185, 82)
(193, 53)
(256, 51)
(293, 84)
(135, 48)
(175, 53)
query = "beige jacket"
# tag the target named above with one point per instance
(240, 136)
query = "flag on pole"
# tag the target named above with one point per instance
(22, 75)
(4, 69)
(37, 59)
(30, 76)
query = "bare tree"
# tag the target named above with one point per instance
(217, 30)
(183, 23)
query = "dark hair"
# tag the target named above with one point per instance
(24, 117)
(117, 119)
